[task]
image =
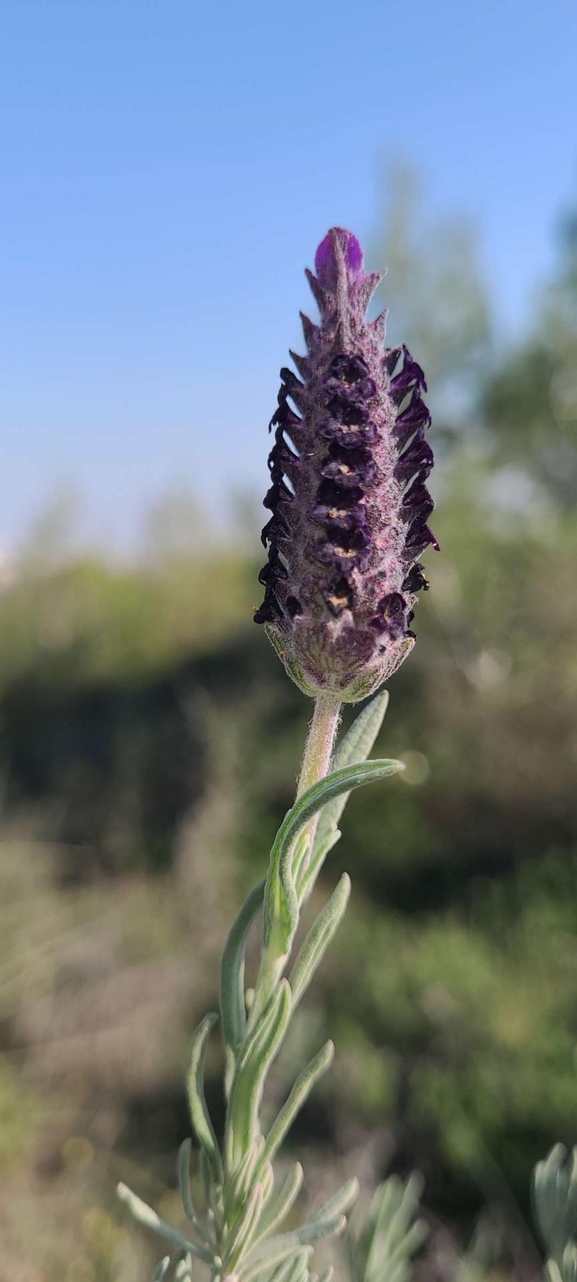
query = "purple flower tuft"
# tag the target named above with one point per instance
(348, 497)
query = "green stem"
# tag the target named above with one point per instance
(320, 742)
(317, 755)
(316, 762)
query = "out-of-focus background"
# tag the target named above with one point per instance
(167, 171)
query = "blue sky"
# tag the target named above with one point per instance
(167, 169)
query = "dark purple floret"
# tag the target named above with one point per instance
(348, 497)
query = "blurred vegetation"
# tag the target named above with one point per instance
(149, 744)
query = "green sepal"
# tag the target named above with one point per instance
(201, 1122)
(161, 1269)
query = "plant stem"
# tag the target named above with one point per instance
(320, 742)
(318, 752)
(315, 765)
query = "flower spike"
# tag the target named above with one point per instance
(349, 501)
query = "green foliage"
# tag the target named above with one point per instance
(555, 1195)
(235, 1236)
(383, 1246)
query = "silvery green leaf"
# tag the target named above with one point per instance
(388, 1239)
(568, 1266)
(301, 854)
(310, 871)
(184, 1155)
(161, 1269)
(253, 1065)
(355, 746)
(338, 1204)
(329, 1219)
(242, 1235)
(209, 1188)
(295, 1269)
(146, 1216)
(299, 1093)
(240, 1179)
(183, 1270)
(555, 1198)
(292, 1270)
(319, 938)
(232, 996)
(274, 1249)
(281, 903)
(279, 1207)
(197, 1103)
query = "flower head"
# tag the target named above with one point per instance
(348, 498)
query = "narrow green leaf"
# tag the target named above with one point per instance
(281, 904)
(232, 998)
(253, 1067)
(319, 938)
(310, 872)
(555, 1199)
(241, 1237)
(184, 1155)
(183, 1270)
(274, 1249)
(146, 1216)
(196, 1100)
(299, 1093)
(294, 1269)
(338, 1204)
(210, 1190)
(240, 1180)
(355, 746)
(279, 1207)
(390, 1236)
(301, 854)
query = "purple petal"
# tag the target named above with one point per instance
(420, 537)
(417, 459)
(326, 262)
(349, 435)
(415, 579)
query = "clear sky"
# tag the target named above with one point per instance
(167, 169)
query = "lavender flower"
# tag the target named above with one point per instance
(348, 500)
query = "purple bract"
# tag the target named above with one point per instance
(348, 500)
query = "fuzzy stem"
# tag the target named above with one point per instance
(318, 752)
(320, 742)
(315, 765)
